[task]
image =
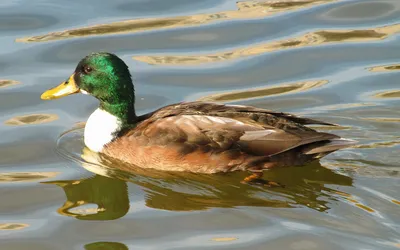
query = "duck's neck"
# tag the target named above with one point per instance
(124, 111)
(106, 123)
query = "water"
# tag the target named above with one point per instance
(337, 61)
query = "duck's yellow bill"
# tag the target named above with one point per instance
(68, 87)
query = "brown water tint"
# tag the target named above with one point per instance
(332, 60)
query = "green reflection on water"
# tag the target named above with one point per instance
(110, 195)
(106, 246)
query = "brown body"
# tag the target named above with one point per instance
(209, 138)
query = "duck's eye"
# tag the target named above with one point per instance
(87, 69)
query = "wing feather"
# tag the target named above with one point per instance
(222, 133)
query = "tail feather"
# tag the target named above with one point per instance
(330, 146)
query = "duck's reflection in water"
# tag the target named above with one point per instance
(312, 186)
(95, 198)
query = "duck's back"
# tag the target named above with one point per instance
(209, 138)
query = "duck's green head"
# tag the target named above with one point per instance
(104, 76)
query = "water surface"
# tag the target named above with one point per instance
(333, 60)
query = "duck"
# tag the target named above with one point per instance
(197, 137)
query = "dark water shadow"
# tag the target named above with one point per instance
(310, 186)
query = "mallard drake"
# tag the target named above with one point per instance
(198, 137)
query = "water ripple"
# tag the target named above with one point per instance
(31, 119)
(7, 83)
(264, 92)
(388, 94)
(26, 176)
(385, 68)
(21, 22)
(246, 10)
(307, 40)
(13, 226)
